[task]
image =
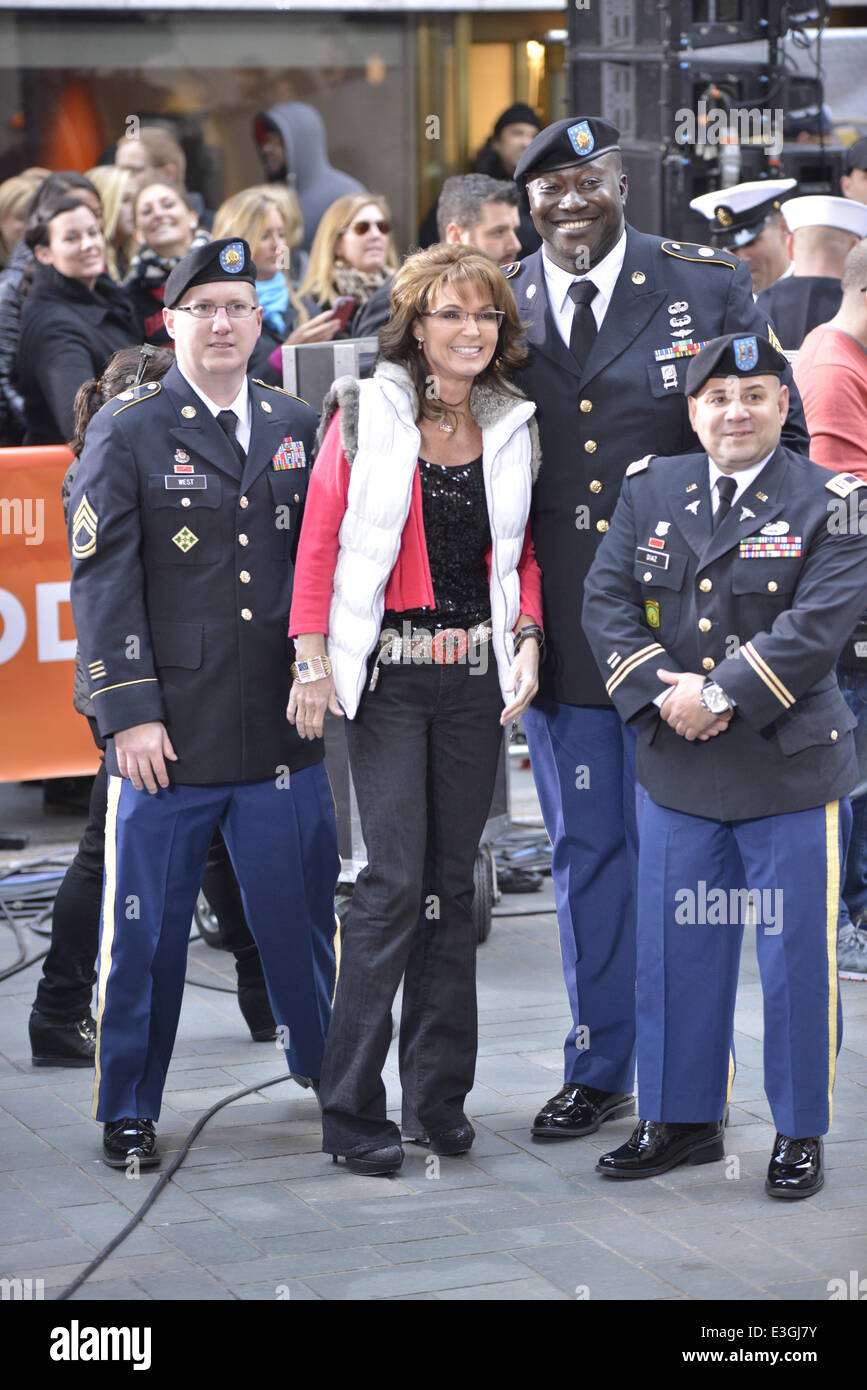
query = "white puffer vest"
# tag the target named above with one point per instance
(381, 442)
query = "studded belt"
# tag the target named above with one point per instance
(444, 648)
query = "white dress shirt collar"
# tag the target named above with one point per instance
(744, 478)
(604, 276)
(240, 405)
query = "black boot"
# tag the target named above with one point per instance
(62, 1044)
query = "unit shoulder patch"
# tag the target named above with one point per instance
(257, 381)
(639, 466)
(844, 483)
(511, 269)
(702, 255)
(147, 391)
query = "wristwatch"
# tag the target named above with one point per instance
(714, 698)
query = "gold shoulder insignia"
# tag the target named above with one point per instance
(84, 527)
(774, 340)
(257, 381)
(844, 483)
(703, 255)
(511, 269)
(639, 465)
(148, 391)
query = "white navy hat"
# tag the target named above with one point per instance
(737, 214)
(821, 210)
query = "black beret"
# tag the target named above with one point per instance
(519, 114)
(228, 259)
(734, 355)
(574, 140)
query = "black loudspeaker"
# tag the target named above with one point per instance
(640, 25)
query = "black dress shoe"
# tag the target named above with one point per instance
(130, 1138)
(655, 1147)
(450, 1141)
(577, 1110)
(255, 1008)
(795, 1169)
(375, 1162)
(62, 1044)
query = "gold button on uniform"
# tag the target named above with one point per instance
(596, 486)
(772, 586)
(647, 576)
(602, 525)
(585, 407)
(246, 614)
(185, 502)
(704, 624)
(297, 498)
(590, 446)
(705, 585)
(638, 277)
(243, 540)
(243, 502)
(266, 407)
(834, 735)
(188, 412)
(244, 576)
(707, 663)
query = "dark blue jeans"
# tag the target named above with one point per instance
(854, 895)
(423, 751)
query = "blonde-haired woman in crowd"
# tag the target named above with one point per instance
(116, 193)
(269, 220)
(15, 195)
(352, 254)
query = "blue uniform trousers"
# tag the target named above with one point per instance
(583, 761)
(282, 840)
(689, 943)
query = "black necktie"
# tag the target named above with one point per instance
(726, 489)
(228, 422)
(583, 332)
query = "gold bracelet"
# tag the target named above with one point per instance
(315, 668)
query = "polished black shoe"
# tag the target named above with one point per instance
(449, 1142)
(255, 1008)
(62, 1044)
(577, 1110)
(655, 1147)
(375, 1162)
(795, 1169)
(130, 1138)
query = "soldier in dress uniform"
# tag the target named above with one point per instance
(185, 515)
(613, 317)
(716, 608)
(822, 232)
(746, 219)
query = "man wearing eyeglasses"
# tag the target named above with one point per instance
(185, 516)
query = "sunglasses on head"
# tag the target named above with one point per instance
(362, 228)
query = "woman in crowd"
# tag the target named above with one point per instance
(417, 607)
(352, 254)
(15, 279)
(116, 195)
(62, 1030)
(74, 317)
(166, 226)
(16, 195)
(258, 216)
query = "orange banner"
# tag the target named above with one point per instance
(41, 735)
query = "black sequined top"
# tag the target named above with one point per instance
(458, 536)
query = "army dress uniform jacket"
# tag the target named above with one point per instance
(182, 565)
(624, 404)
(762, 606)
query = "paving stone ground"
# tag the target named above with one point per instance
(258, 1212)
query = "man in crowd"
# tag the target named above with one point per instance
(614, 316)
(747, 770)
(822, 231)
(476, 210)
(185, 513)
(831, 372)
(853, 184)
(747, 221)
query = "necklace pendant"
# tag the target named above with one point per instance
(446, 427)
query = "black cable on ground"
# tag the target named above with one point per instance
(165, 1177)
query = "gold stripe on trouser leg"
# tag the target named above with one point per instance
(731, 1079)
(108, 905)
(832, 915)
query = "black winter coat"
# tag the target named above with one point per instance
(12, 417)
(68, 334)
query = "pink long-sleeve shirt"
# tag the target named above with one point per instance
(409, 585)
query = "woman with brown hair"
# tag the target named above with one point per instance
(352, 255)
(166, 227)
(417, 613)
